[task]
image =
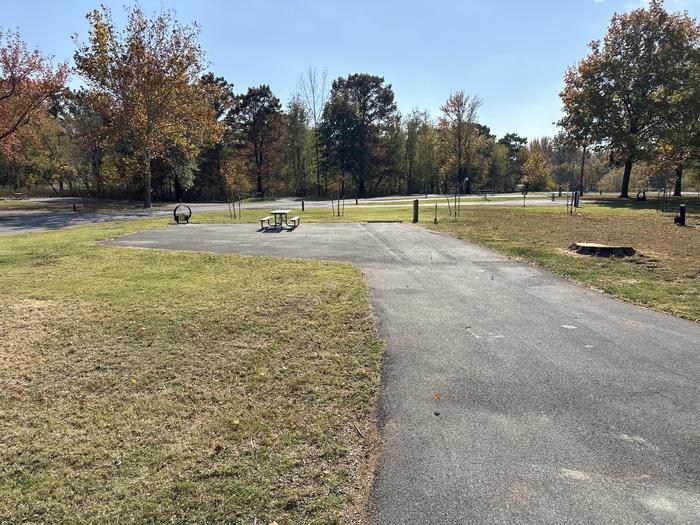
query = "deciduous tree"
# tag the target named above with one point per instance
(537, 171)
(27, 81)
(620, 94)
(460, 115)
(296, 141)
(151, 74)
(313, 88)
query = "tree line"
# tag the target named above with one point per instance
(151, 122)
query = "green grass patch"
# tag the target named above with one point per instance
(152, 386)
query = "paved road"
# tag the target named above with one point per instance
(556, 404)
(23, 221)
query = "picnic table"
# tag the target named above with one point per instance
(280, 217)
(281, 221)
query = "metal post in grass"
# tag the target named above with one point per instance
(680, 218)
(435, 219)
(415, 211)
(302, 205)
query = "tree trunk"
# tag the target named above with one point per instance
(318, 165)
(624, 191)
(583, 169)
(179, 190)
(96, 157)
(147, 182)
(361, 188)
(677, 182)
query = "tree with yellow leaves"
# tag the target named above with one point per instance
(537, 172)
(236, 181)
(151, 73)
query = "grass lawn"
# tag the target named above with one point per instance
(12, 205)
(665, 275)
(156, 387)
(443, 199)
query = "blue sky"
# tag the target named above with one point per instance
(512, 53)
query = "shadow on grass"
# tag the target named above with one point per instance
(671, 204)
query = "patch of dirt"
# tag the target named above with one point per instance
(28, 326)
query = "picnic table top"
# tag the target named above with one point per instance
(280, 212)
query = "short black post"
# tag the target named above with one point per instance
(680, 218)
(435, 219)
(415, 211)
(356, 203)
(302, 205)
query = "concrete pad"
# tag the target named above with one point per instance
(556, 404)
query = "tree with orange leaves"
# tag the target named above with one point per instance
(27, 82)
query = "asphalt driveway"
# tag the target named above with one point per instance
(508, 394)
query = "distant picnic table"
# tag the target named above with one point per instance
(281, 220)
